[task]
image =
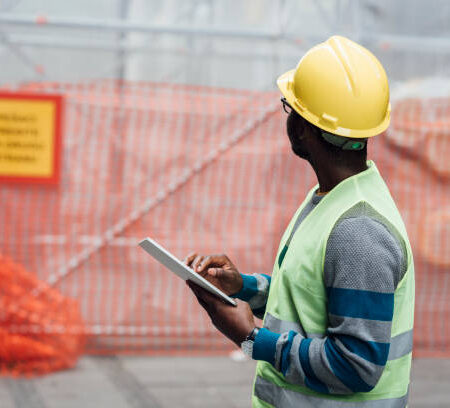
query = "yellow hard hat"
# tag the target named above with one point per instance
(340, 87)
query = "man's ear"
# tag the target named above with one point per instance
(300, 126)
(310, 131)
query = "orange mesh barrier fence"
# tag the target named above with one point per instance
(40, 331)
(204, 169)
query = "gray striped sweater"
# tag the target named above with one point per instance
(364, 262)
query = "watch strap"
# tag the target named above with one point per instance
(253, 334)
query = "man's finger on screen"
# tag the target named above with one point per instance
(196, 262)
(189, 258)
(212, 260)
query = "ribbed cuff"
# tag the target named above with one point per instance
(265, 346)
(249, 288)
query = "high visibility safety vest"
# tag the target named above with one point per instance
(298, 301)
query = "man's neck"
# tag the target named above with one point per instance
(330, 176)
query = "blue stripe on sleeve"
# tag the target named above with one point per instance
(343, 370)
(265, 346)
(311, 380)
(361, 304)
(249, 288)
(285, 354)
(376, 353)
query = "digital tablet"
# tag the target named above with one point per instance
(179, 268)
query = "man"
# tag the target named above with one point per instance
(338, 308)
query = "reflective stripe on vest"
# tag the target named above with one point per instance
(401, 345)
(283, 398)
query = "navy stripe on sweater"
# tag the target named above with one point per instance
(363, 304)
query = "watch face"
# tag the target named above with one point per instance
(247, 347)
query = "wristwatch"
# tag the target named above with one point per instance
(247, 344)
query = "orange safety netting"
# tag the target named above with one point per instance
(40, 330)
(206, 169)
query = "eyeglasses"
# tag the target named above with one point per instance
(286, 107)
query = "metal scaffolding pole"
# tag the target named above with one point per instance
(425, 44)
(122, 55)
(115, 25)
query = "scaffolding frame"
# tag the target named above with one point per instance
(330, 12)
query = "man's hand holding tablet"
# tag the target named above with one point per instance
(218, 278)
(234, 323)
(217, 269)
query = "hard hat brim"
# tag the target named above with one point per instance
(285, 84)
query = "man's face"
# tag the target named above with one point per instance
(297, 131)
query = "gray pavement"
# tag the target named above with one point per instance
(160, 382)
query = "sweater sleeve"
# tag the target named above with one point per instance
(363, 265)
(255, 290)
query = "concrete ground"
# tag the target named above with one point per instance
(137, 382)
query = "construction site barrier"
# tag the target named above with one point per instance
(205, 169)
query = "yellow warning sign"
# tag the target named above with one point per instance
(29, 137)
